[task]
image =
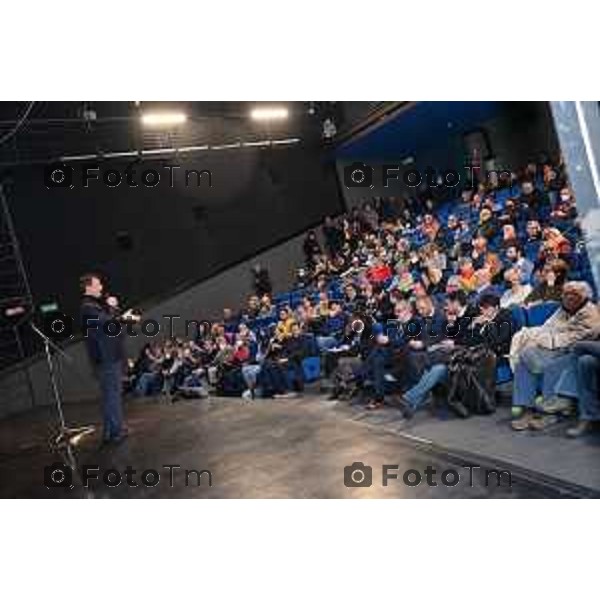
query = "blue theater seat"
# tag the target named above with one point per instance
(311, 366)
(295, 300)
(538, 314)
(283, 298)
(518, 317)
(311, 348)
(503, 372)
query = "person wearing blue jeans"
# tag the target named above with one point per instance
(416, 396)
(541, 371)
(250, 374)
(538, 370)
(588, 388)
(148, 384)
(541, 364)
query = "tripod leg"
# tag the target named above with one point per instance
(54, 386)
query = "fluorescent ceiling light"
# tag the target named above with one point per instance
(163, 119)
(257, 143)
(226, 146)
(269, 114)
(286, 141)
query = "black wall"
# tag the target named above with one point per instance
(150, 241)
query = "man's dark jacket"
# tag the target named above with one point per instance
(102, 348)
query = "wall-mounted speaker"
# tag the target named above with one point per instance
(124, 241)
(199, 212)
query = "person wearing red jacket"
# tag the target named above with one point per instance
(379, 272)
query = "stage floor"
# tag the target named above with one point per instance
(294, 448)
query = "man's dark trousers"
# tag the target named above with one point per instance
(110, 376)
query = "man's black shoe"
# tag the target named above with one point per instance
(117, 439)
(335, 394)
(460, 409)
(121, 437)
(408, 412)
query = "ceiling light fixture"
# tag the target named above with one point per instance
(269, 114)
(163, 119)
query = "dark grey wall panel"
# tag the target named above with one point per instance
(177, 235)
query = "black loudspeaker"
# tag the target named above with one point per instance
(124, 241)
(199, 212)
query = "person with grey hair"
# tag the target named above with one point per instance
(544, 352)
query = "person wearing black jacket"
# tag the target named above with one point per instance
(344, 363)
(272, 378)
(294, 350)
(334, 236)
(473, 369)
(261, 280)
(105, 351)
(533, 200)
(425, 334)
(492, 328)
(311, 248)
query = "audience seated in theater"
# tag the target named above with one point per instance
(564, 208)
(311, 248)
(534, 201)
(485, 286)
(266, 306)
(384, 261)
(533, 240)
(488, 227)
(514, 258)
(551, 281)
(284, 325)
(430, 227)
(517, 291)
(466, 275)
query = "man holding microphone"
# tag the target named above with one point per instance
(106, 352)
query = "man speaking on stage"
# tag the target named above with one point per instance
(106, 352)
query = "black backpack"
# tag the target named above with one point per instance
(472, 381)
